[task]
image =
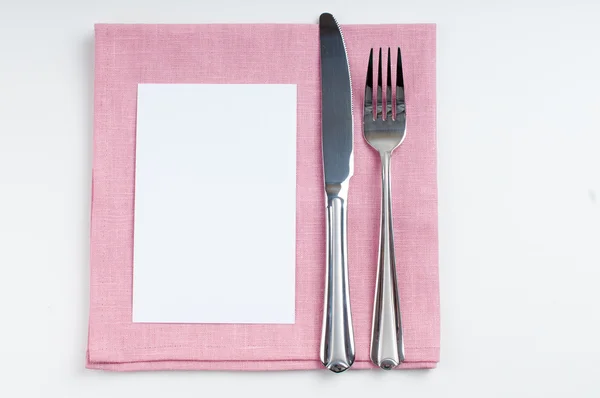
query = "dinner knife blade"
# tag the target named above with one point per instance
(336, 104)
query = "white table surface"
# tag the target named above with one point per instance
(519, 199)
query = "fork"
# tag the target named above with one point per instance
(385, 132)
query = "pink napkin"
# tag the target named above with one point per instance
(126, 55)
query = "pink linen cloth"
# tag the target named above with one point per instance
(126, 55)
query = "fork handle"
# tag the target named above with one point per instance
(387, 342)
(337, 340)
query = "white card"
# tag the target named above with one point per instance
(215, 204)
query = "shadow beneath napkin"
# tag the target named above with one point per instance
(87, 129)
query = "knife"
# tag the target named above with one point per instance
(337, 340)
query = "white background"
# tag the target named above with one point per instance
(519, 179)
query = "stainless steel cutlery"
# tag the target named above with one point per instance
(384, 130)
(337, 342)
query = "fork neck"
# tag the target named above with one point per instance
(385, 162)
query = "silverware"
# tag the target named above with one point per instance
(337, 341)
(385, 132)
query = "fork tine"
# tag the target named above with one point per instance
(400, 104)
(388, 88)
(369, 88)
(379, 90)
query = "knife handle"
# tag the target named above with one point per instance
(337, 340)
(387, 342)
